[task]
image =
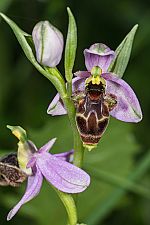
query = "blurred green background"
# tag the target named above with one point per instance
(120, 190)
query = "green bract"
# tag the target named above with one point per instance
(119, 64)
(71, 46)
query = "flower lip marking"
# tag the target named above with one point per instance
(93, 120)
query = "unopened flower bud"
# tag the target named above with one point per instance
(48, 41)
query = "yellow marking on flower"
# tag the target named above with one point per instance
(96, 80)
(103, 81)
(17, 134)
(95, 77)
(24, 156)
(88, 80)
(24, 150)
(89, 147)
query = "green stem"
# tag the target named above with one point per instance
(57, 80)
(69, 205)
(55, 77)
(79, 151)
(78, 146)
(69, 88)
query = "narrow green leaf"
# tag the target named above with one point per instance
(71, 46)
(119, 181)
(21, 37)
(102, 209)
(119, 64)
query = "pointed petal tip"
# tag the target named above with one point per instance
(53, 140)
(138, 118)
(68, 9)
(50, 112)
(9, 127)
(135, 26)
(10, 216)
(47, 146)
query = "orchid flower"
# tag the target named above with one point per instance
(99, 55)
(39, 164)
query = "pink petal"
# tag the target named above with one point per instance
(56, 107)
(63, 175)
(31, 162)
(128, 108)
(98, 55)
(32, 190)
(65, 156)
(47, 146)
(78, 84)
(82, 74)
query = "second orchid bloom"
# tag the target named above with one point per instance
(39, 163)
